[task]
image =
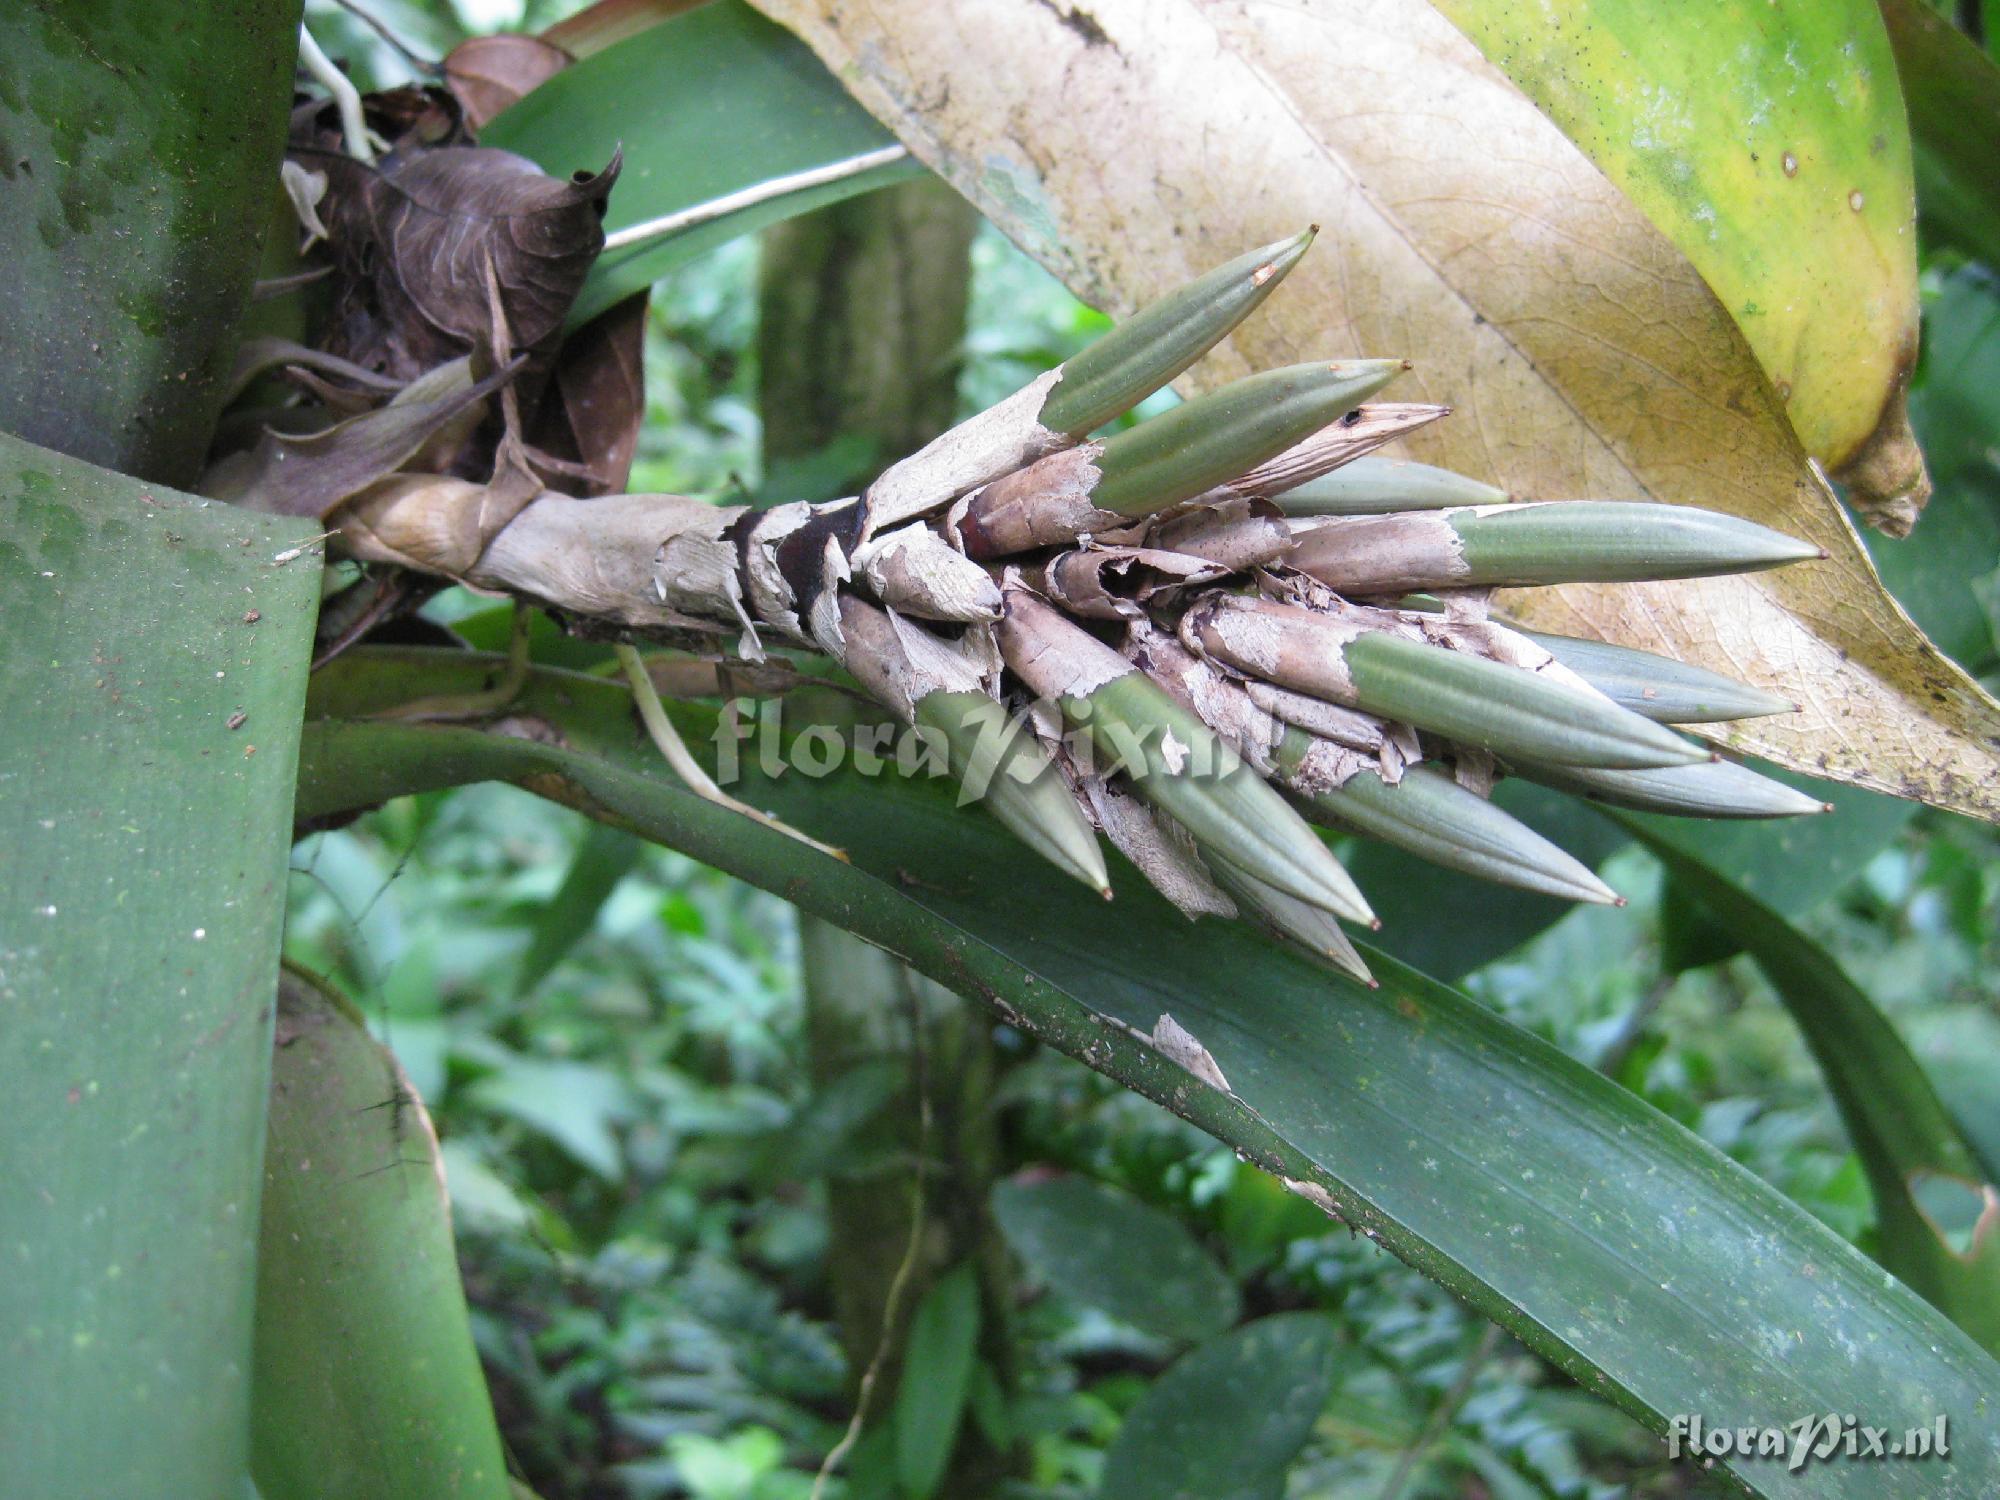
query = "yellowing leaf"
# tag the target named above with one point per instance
(1134, 144)
(1768, 141)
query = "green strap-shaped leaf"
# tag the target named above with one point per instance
(1791, 865)
(1768, 142)
(142, 859)
(139, 152)
(936, 1377)
(705, 105)
(1938, 1217)
(1095, 1245)
(366, 1379)
(1953, 89)
(607, 857)
(1227, 1421)
(1617, 1244)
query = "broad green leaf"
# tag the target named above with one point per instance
(1936, 1213)
(143, 881)
(1226, 1422)
(1585, 356)
(1099, 1247)
(936, 1375)
(704, 105)
(141, 150)
(366, 1381)
(571, 1104)
(1953, 90)
(1656, 1271)
(1768, 142)
(606, 857)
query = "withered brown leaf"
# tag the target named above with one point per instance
(592, 409)
(412, 239)
(488, 73)
(590, 412)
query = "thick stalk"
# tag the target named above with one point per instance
(861, 308)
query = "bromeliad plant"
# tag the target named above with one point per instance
(1198, 636)
(1146, 635)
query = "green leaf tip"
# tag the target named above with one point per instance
(1162, 339)
(1211, 439)
(1374, 485)
(1714, 789)
(1660, 688)
(1537, 545)
(1000, 763)
(1433, 817)
(1182, 767)
(1505, 709)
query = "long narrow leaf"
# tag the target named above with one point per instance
(1919, 1165)
(607, 857)
(1653, 1268)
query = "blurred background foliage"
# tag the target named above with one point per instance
(610, 1038)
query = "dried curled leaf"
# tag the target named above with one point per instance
(590, 414)
(591, 411)
(415, 242)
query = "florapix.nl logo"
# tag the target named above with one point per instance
(964, 741)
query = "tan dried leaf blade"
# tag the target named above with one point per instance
(1130, 144)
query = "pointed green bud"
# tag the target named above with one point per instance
(1612, 541)
(1715, 789)
(1181, 766)
(1433, 817)
(1058, 407)
(1201, 443)
(1504, 709)
(1526, 546)
(1664, 690)
(1374, 485)
(1158, 342)
(932, 682)
(1345, 657)
(1174, 761)
(1001, 765)
(1298, 921)
(1175, 457)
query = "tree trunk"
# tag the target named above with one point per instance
(862, 310)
